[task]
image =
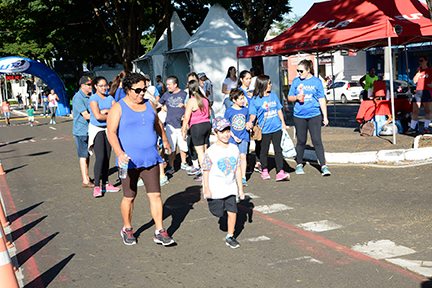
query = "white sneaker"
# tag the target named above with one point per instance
(140, 182)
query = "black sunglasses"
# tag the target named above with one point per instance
(138, 90)
(300, 71)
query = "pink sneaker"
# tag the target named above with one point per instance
(97, 192)
(282, 175)
(265, 175)
(111, 188)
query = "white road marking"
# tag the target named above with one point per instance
(303, 258)
(53, 128)
(382, 249)
(23, 142)
(259, 238)
(252, 196)
(273, 208)
(420, 267)
(32, 140)
(319, 226)
(57, 138)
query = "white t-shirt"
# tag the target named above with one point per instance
(52, 100)
(34, 97)
(222, 162)
(230, 84)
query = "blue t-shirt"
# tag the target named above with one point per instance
(266, 110)
(238, 119)
(80, 104)
(105, 103)
(119, 94)
(227, 103)
(174, 113)
(159, 87)
(313, 90)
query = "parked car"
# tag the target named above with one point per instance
(344, 91)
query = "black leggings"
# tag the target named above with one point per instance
(314, 126)
(102, 151)
(275, 138)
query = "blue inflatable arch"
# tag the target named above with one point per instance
(16, 64)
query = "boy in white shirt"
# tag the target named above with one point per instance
(222, 179)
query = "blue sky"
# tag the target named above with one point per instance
(300, 7)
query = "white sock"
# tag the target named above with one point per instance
(228, 236)
(413, 124)
(426, 123)
(195, 163)
(157, 232)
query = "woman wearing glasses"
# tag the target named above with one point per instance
(133, 129)
(100, 105)
(310, 111)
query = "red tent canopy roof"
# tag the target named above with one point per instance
(353, 24)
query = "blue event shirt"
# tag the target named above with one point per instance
(133, 125)
(80, 104)
(266, 110)
(105, 103)
(174, 113)
(238, 119)
(119, 94)
(313, 90)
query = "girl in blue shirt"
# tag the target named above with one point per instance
(266, 107)
(310, 110)
(100, 104)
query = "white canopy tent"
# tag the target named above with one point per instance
(212, 50)
(152, 63)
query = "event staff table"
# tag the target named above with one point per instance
(369, 108)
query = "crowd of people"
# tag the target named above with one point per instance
(145, 126)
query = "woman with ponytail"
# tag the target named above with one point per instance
(197, 119)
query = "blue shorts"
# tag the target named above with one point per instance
(422, 96)
(6, 115)
(81, 143)
(243, 146)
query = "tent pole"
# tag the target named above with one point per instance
(333, 90)
(407, 68)
(392, 91)
(317, 65)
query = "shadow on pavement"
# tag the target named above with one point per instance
(15, 168)
(7, 151)
(48, 276)
(22, 212)
(177, 206)
(21, 231)
(30, 155)
(15, 141)
(426, 284)
(23, 256)
(244, 214)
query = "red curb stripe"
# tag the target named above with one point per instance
(337, 248)
(31, 266)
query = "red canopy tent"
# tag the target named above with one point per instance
(353, 24)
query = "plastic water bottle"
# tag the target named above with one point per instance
(122, 170)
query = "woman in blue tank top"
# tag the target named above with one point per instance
(133, 128)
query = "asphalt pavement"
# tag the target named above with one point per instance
(364, 226)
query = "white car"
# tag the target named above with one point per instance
(344, 91)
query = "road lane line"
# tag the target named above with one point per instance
(301, 236)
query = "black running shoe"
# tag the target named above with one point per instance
(232, 242)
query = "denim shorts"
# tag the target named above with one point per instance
(422, 96)
(81, 143)
(6, 114)
(243, 146)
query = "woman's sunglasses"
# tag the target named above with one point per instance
(138, 90)
(300, 71)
